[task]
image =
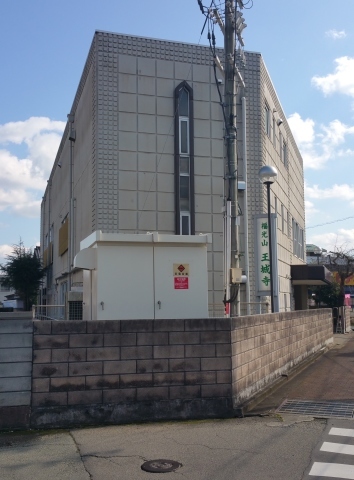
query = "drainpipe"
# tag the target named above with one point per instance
(72, 138)
(245, 161)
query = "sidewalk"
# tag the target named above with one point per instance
(330, 378)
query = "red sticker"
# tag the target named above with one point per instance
(181, 283)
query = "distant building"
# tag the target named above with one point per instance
(145, 138)
(4, 293)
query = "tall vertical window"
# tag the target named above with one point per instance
(298, 240)
(274, 134)
(184, 160)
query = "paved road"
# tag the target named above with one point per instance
(235, 449)
(334, 455)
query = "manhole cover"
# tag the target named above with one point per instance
(160, 466)
(318, 409)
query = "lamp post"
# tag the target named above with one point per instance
(267, 175)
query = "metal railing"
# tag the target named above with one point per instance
(218, 309)
(48, 312)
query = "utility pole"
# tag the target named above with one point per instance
(231, 27)
(232, 220)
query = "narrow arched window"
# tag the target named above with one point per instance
(184, 160)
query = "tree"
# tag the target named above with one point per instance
(23, 273)
(328, 295)
(341, 261)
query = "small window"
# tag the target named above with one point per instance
(298, 240)
(185, 224)
(284, 153)
(184, 136)
(184, 166)
(184, 193)
(183, 103)
(284, 216)
(267, 120)
(274, 134)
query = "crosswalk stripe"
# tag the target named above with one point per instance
(332, 470)
(337, 448)
(342, 432)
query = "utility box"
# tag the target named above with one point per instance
(152, 276)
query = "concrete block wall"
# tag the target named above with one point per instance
(266, 346)
(119, 371)
(97, 372)
(15, 371)
(346, 316)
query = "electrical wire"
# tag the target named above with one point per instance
(329, 223)
(245, 5)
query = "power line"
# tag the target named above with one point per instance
(328, 223)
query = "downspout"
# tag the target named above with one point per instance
(72, 138)
(245, 161)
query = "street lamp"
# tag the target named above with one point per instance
(267, 175)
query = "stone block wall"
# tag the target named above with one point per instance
(346, 319)
(69, 373)
(116, 371)
(15, 371)
(266, 346)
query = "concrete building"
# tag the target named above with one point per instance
(143, 150)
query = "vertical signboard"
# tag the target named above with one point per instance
(262, 259)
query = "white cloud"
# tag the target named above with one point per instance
(310, 209)
(23, 132)
(303, 130)
(20, 202)
(15, 172)
(340, 192)
(4, 250)
(336, 34)
(341, 81)
(23, 180)
(319, 143)
(343, 239)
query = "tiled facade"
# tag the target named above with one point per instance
(123, 157)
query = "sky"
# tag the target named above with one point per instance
(308, 49)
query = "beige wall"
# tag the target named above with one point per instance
(124, 153)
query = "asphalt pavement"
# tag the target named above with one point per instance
(234, 449)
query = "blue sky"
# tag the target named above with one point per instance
(309, 53)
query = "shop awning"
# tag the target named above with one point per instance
(310, 275)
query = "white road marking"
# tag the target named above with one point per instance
(337, 448)
(338, 470)
(342, 432)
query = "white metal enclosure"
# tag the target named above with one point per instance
(148, 276)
